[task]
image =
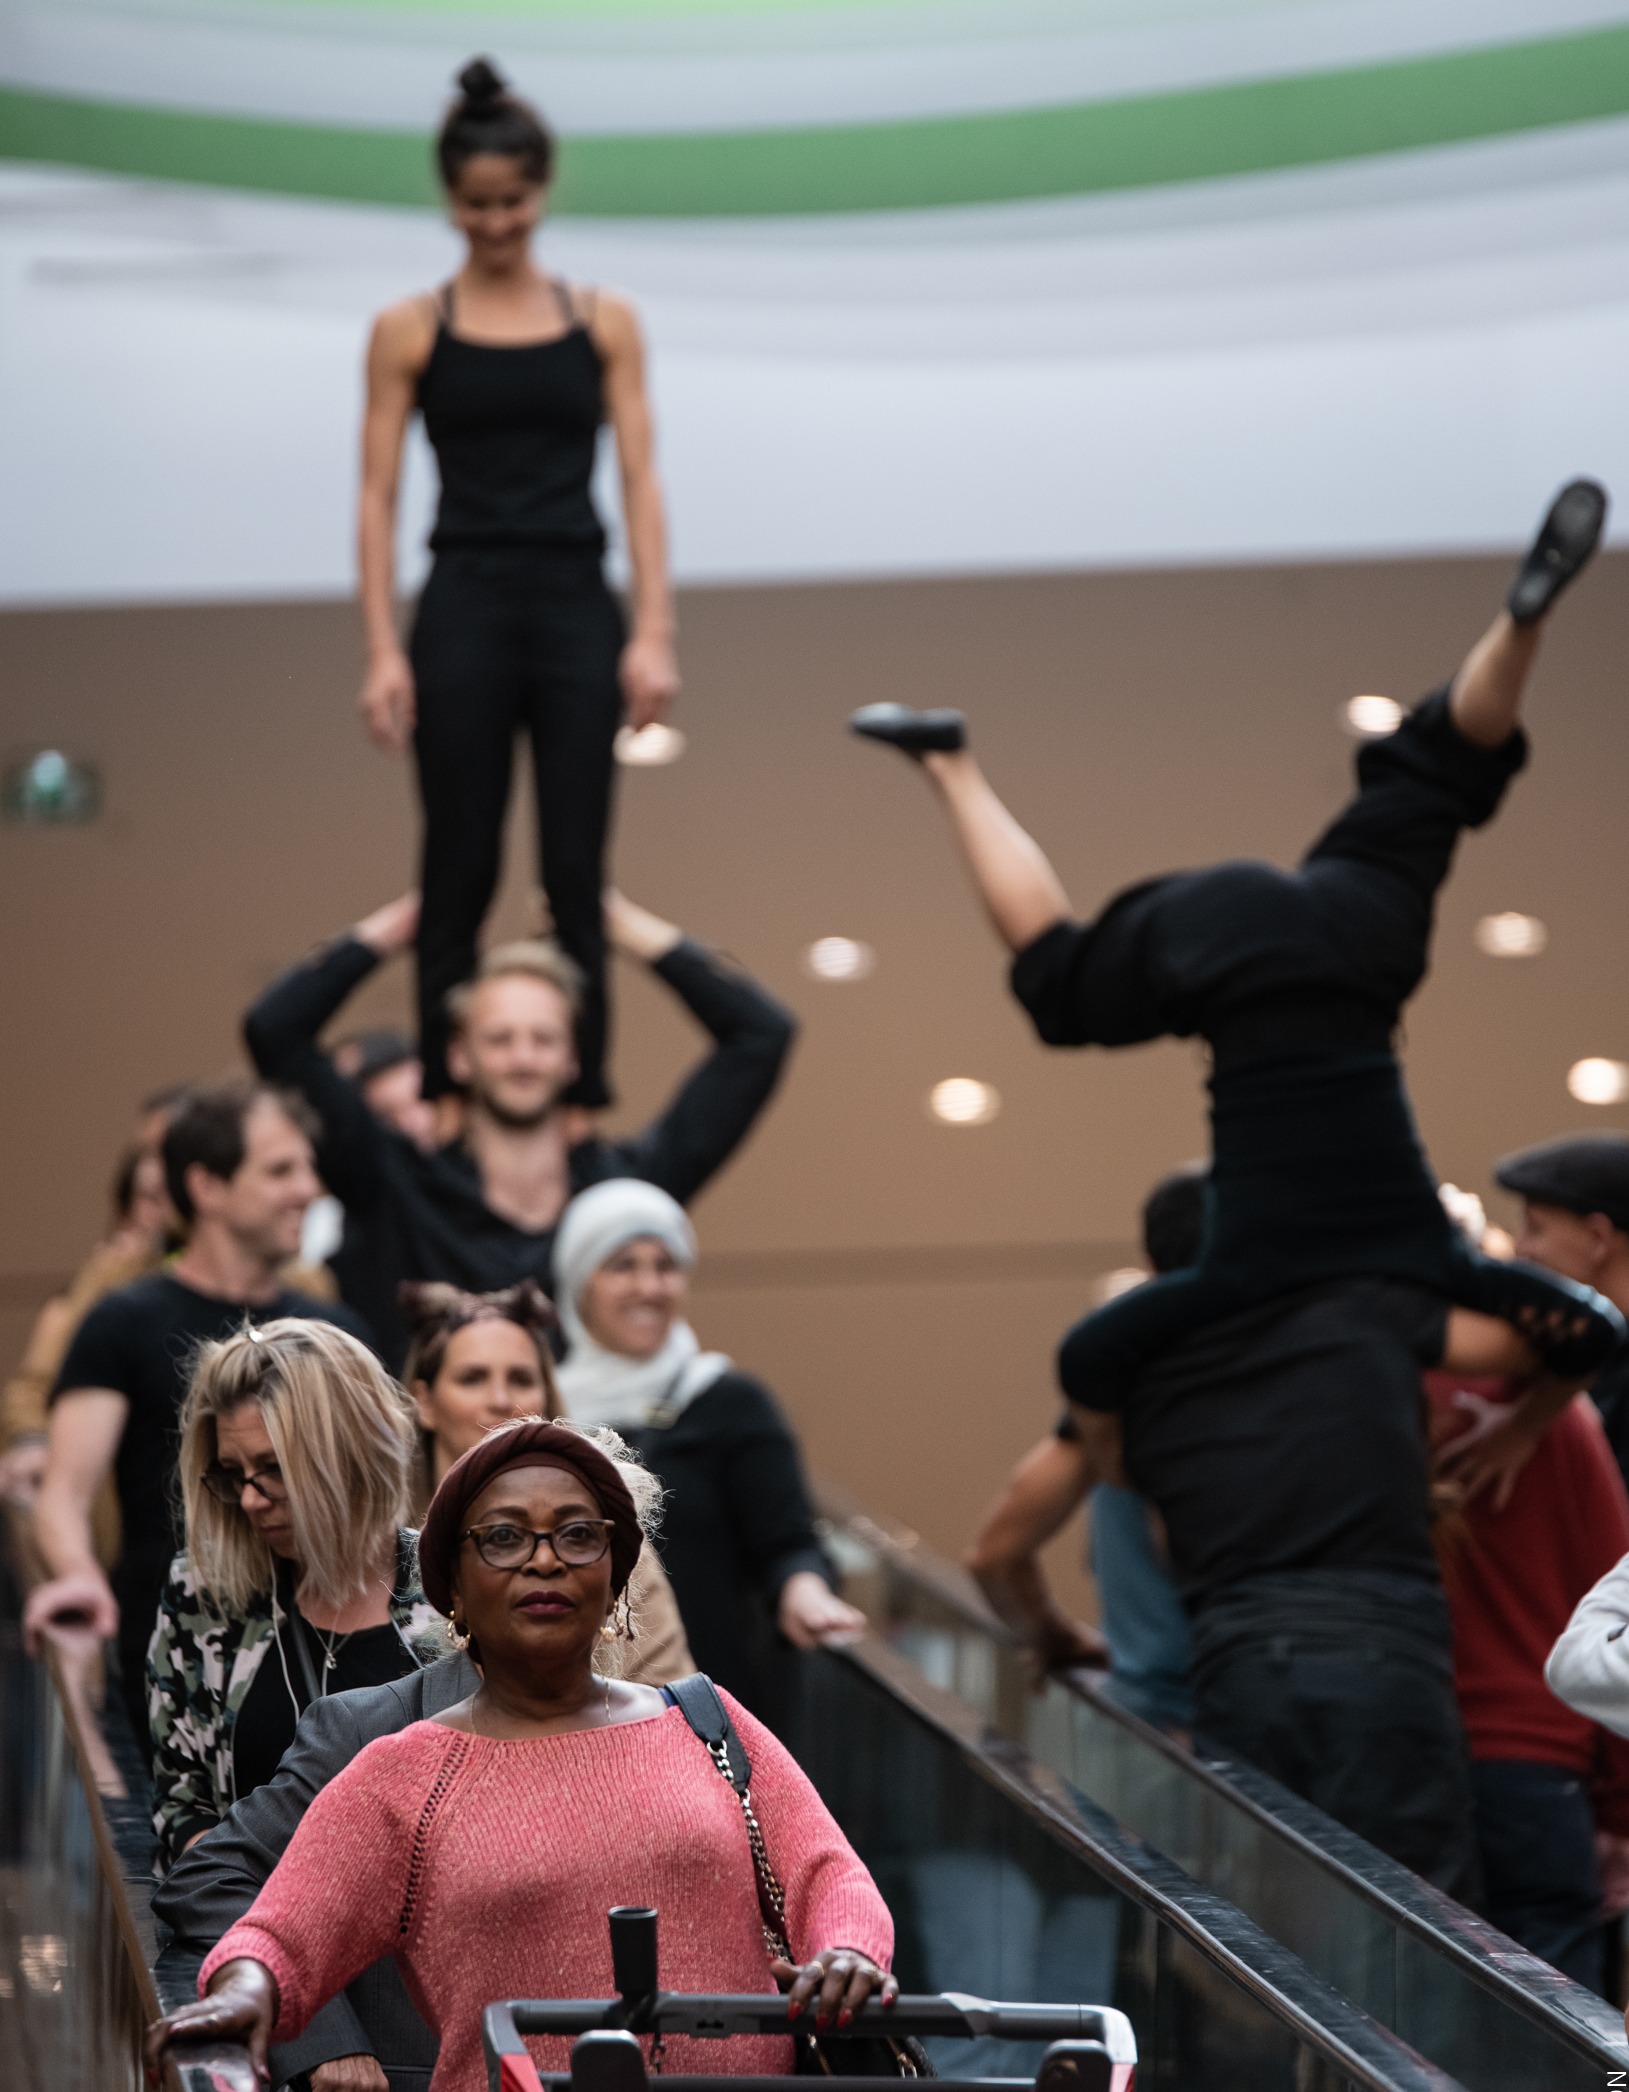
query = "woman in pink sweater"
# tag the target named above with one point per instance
(484, 1848)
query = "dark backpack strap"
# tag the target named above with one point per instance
(697, 1700)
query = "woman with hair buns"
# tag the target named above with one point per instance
(754, 1584)
(299, 1577)
(484, 1847)
(513, 370)
(481, 1360)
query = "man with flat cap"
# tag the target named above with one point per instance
(1575, 1221)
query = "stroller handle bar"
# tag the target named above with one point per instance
(953, 2014)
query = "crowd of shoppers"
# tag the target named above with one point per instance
(404, 1563)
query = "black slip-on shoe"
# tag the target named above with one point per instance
(1564, 546)
(915, 732)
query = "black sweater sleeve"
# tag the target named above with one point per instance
(767, 1493)
(281, 1031)
(718, 1102)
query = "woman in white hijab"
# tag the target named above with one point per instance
(753, 1582)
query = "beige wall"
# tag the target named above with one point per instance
(1135, 721)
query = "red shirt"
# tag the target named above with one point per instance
(1514, 1577)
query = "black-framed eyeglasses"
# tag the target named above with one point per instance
(227, 1484)
(575, 1544)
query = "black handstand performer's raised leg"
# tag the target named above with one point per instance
(1296, 979)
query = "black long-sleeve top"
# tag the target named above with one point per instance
(412, 1215)
(738, 1522)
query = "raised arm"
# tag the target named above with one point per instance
(1044, 1491)
(282, 1027)
(397, 352)
(649, 672)
(716, 1105)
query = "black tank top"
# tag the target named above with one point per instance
(514, 429)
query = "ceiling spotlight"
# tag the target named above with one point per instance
(48, 789)
(961, 1101)
(648, 747)
(1371, 717)
(1598, 1081)
(1511, 936)
(839, 959)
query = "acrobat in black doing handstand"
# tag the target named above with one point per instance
(1296, 979)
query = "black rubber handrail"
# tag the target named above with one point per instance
(1496, 1964)
(1319, 2015)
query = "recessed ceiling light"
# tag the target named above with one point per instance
(839, 959)
(1511, 936)
(648, 747)
(1371, 717)
(1598, 1081)
(961, 1101)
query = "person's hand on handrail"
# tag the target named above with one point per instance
(241, 2005)
(82, 1599)
(836, 1983)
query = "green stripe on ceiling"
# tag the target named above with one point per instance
(1196, 134)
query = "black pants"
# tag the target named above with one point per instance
(506, 641)
(1341, 1686)
(1297, 979)
(1536, 1832)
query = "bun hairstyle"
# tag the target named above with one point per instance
(436, 1313)
(487, 118)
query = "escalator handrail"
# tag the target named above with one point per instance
(1318, 2014)
(1487, 1956)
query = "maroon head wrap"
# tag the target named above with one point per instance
(530, 1444)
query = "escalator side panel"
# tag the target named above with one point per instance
(987, 1898)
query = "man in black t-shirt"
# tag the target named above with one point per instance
(480, 1211)
(239, 1166)
(1285, 1450)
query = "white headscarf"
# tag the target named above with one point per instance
(600, 1387)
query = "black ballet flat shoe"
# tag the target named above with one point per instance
(1564, 546)
(917, 733)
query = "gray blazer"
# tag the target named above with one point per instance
(211, 1886)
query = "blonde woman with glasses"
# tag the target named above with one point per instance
(299, 1577)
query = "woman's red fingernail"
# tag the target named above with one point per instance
(844, 2017)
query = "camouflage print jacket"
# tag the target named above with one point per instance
(201, 1662)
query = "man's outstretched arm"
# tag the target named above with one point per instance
(283, 1025)
(718, 1103)
(1044, 1491)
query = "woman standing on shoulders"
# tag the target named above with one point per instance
(514, 371)
(754, 1584)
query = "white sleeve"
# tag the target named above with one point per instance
(1589, 1666)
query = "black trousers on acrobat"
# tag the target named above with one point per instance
(508, 641)
(1341, 1686)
